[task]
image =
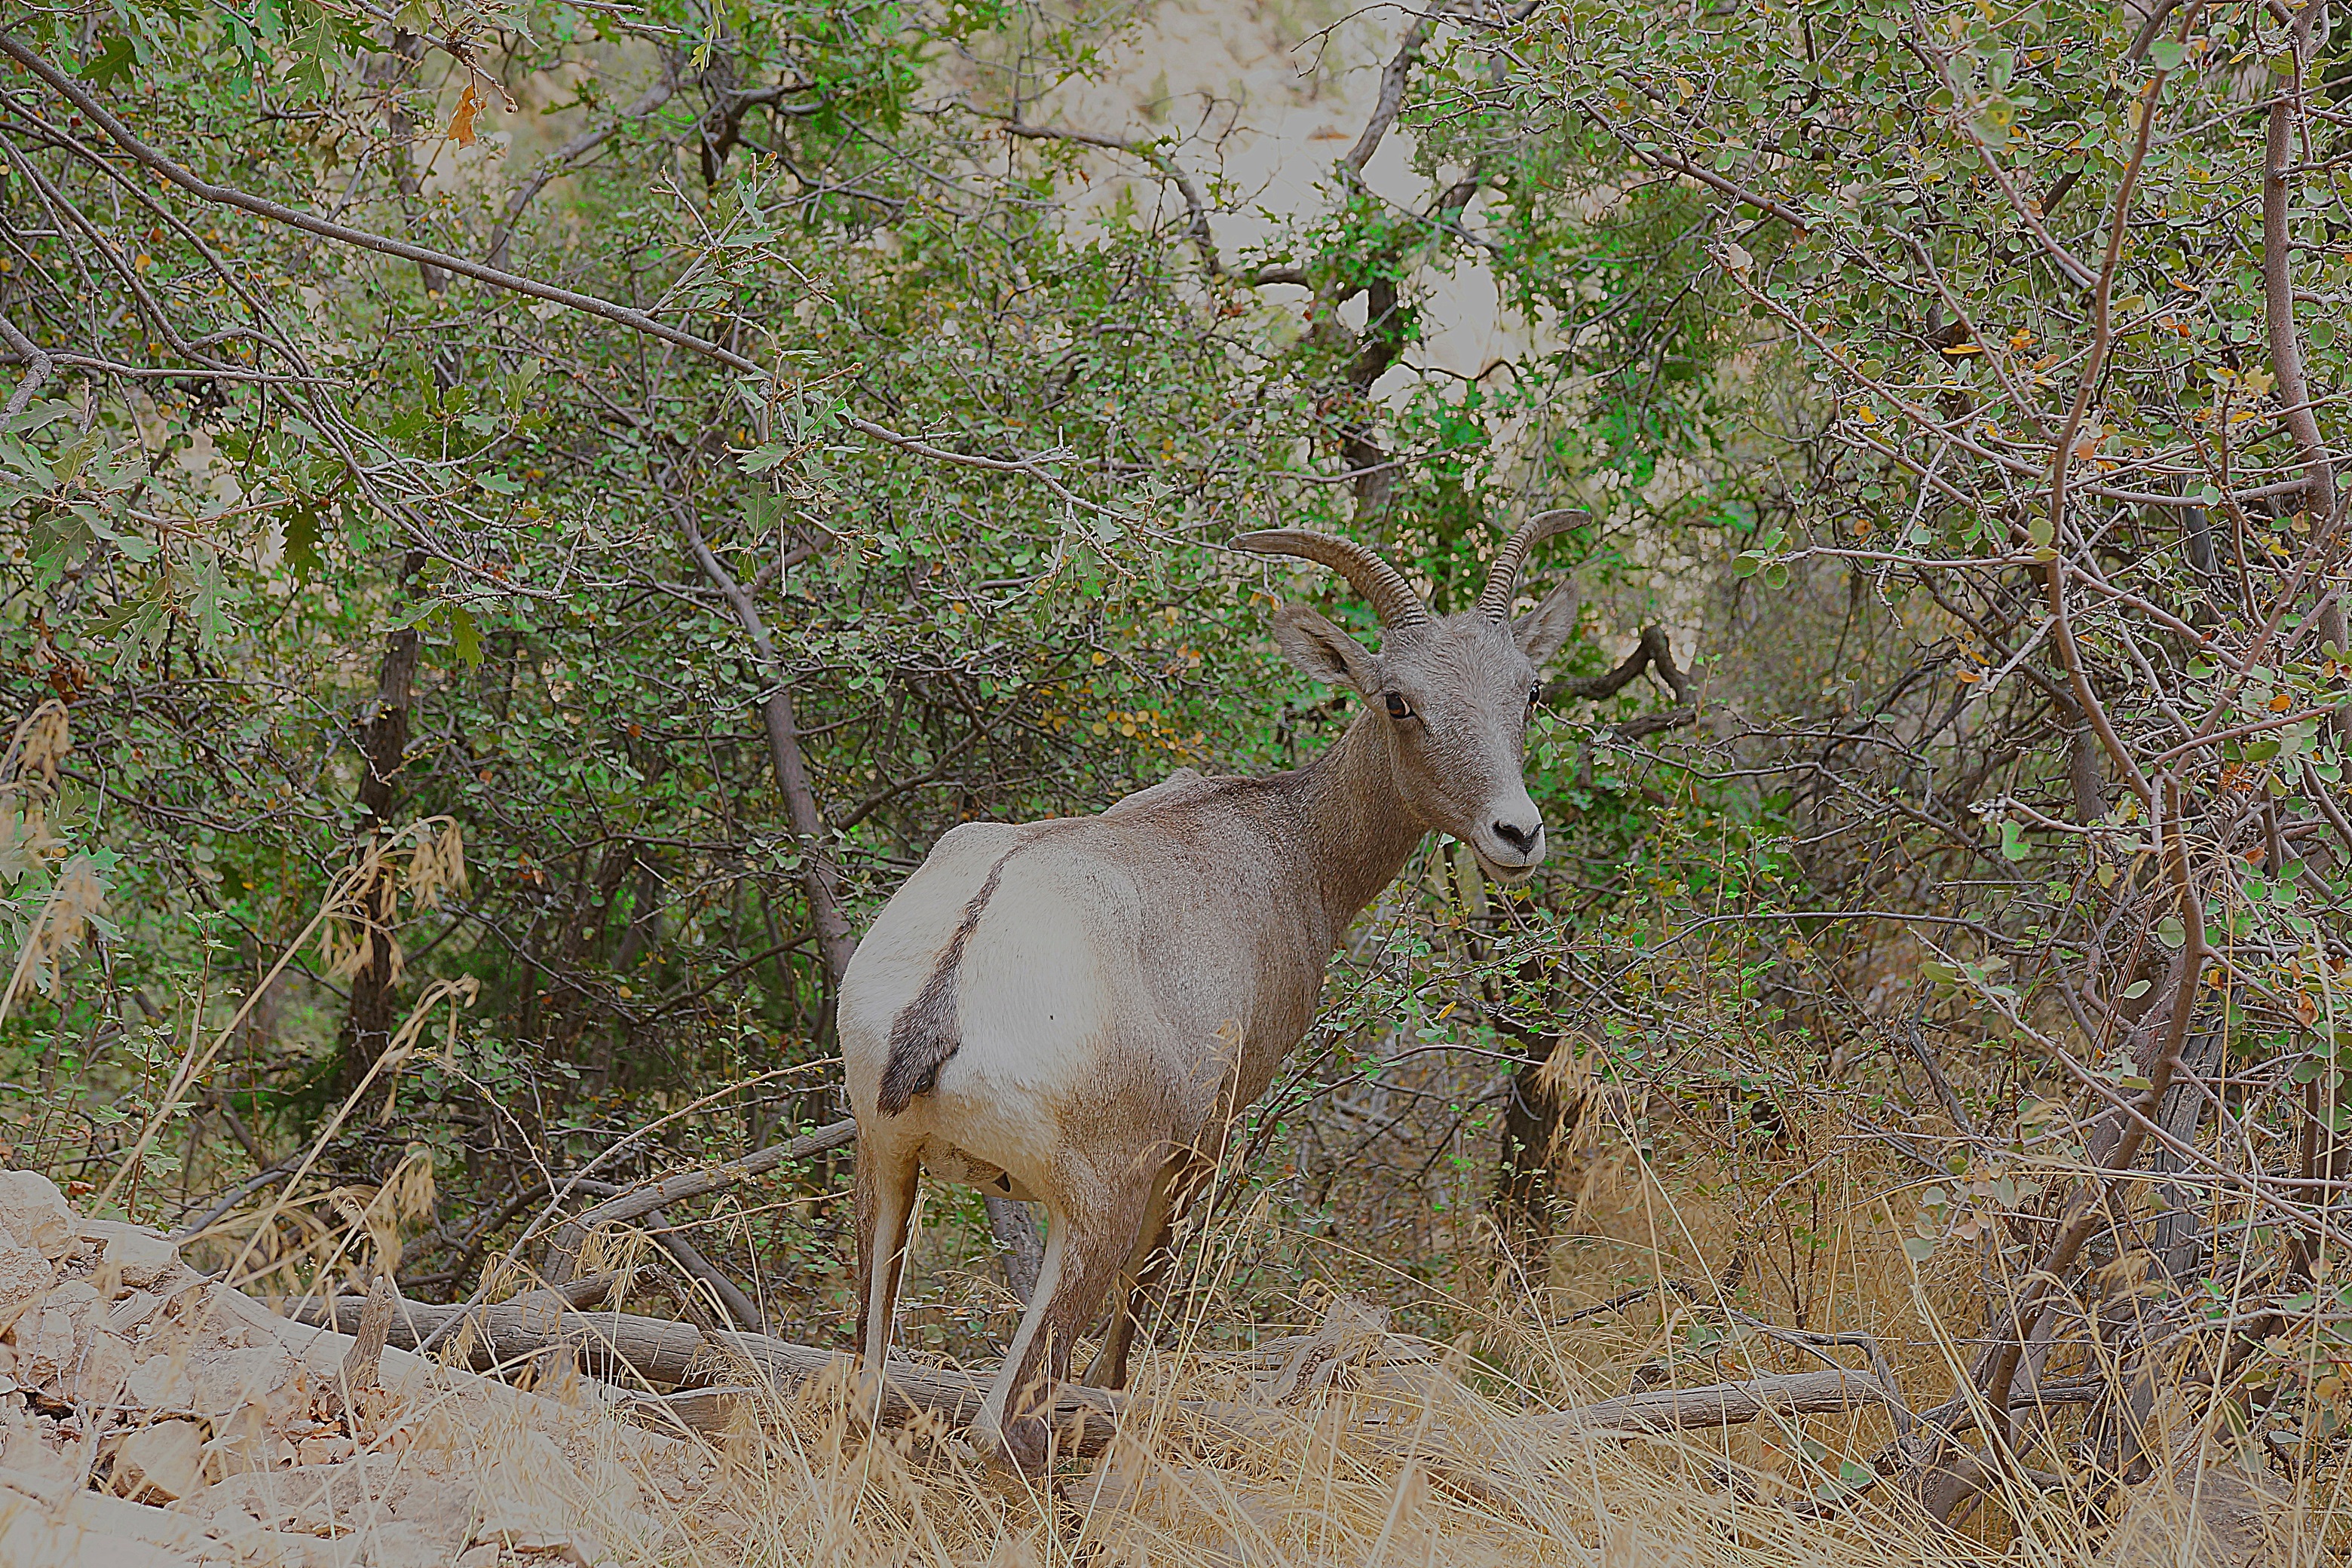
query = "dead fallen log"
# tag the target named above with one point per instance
(615, 1347)
(631, 1351)
(1826, 1393)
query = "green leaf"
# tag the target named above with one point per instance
(302, 526)
(2013, 845)
(112, 63)
(2165, 54)
(1919, 1248)
(464, 635)
(313, 53)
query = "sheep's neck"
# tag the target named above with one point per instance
(1357, 830)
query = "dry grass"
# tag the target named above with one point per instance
(1419, 1450)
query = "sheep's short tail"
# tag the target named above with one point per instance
(924, 1035)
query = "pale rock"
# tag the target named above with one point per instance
(324, 1450)
(232, 1380)
(162, 1383)
(104, 1529)
(26, 1452)
(29, 1536)
(486, 1555)
(25, 1277)
(388, 1543)
(102, 1364)
(538, 1529)
(34, 1213)
(44, 1340)
(131, 1313)
(143, 1256)
(162, 1463)
(250, 1546)
(234, 1453)
(380, 1512)
(442, 1508)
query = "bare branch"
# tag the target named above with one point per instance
(820, 878)
(1392, 85)
(1196, 205)
(1679, 165)
(1653, 650)
(38, 364)
(343, 233)
(566, 158)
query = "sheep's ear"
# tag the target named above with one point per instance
(1324, 651)
(1541, 630)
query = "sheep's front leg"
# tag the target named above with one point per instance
(1086, 1246)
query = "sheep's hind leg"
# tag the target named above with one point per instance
(885, 1200)
(1084, 1253)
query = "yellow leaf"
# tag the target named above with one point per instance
(461, 124)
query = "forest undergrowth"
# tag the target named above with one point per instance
(1374, 1380)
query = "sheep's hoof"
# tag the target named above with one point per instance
(1028, 1441)
(1022, 1443)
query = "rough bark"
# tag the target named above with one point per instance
(1535, 1120)
(820, 875)
(1016, 1230)
(383, 748)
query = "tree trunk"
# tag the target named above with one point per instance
(820, 875)
(1016, 1230)
(1532, 1124)
(383, 748)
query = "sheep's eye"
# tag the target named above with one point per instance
(1397, 706)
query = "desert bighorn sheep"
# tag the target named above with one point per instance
(1072, 1011)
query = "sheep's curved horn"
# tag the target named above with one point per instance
(1503, 576)
(1391, 597)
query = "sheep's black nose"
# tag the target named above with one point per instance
(1522, 840)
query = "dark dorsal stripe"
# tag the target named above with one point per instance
(924, 1035)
